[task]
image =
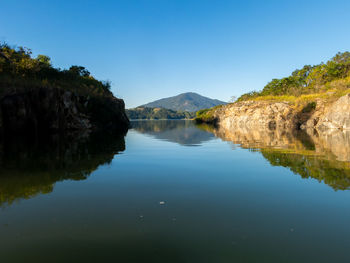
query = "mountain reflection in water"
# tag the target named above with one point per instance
(182, 132)
(324, 156)
(30, 167)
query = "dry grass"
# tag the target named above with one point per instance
(329, 92)
(329, 95)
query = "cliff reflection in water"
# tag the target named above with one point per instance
(31, 167)
(324, 156)
(182, 132)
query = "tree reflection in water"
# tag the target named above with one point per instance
(30, 167)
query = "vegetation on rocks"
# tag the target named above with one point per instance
(37, 98)
(19, 71)
(326, 80)
(309, 97)
(207, 115)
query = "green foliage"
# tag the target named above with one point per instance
(78, 71)
(18, 70)
(44, 60)
(207, 115)
(202, 112)
(309, 107)
(157, 114)
(308, 80)
(248, 96)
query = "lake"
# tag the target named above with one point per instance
(171, 191)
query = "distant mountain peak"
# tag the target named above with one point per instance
(188, 101)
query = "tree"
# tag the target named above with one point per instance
(107, 84)
(44, 60)
(79, 71)
(232, 99)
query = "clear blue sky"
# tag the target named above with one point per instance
(151, 49)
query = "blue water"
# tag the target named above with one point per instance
(169, 196)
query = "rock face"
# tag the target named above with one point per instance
(50, 110)
(272, 115)
(335, 116)
(256, 115)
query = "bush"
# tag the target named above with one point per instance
(309, 107)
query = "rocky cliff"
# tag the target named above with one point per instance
(43, 111)
(332, 116)
(261, 115)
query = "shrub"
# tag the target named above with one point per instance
(309, 107)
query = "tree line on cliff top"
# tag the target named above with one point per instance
(330, 76)
(19, 70)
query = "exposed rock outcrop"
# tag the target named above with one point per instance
(333, 116)
(256, 115)
(263, 115)
(51, 110)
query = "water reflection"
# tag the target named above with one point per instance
(165, 202)
(30, 167)
(178, 131)
(324, 156)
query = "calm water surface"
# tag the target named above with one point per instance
(174, 192)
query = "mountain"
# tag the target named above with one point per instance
(185, 102)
